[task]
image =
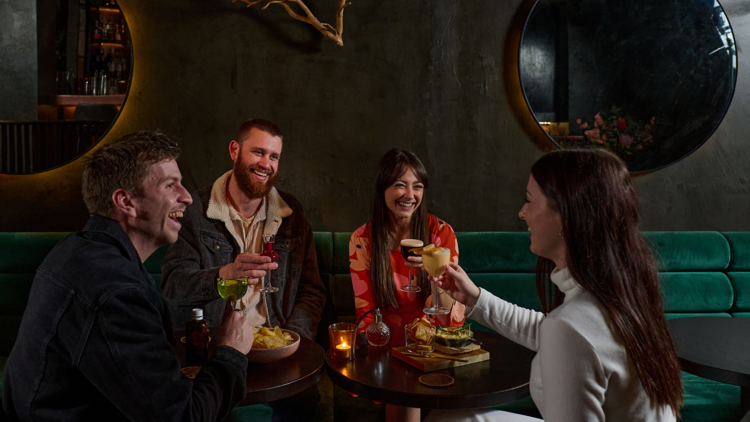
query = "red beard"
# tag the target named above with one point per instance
(248, 186)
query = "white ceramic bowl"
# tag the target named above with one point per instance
(270, 355)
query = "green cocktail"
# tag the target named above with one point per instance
(232, 290)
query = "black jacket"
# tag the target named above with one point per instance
(96, 343)
(191, 266)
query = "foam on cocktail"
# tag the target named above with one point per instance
(412, 243)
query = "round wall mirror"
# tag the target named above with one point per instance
(650, 81)
(66, 80)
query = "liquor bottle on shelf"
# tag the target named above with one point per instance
(97, 37)
(118, 37)
(118, 66)
(108, 28)
(111, 63)
(100, 24)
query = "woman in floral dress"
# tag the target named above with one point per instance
(377, 268)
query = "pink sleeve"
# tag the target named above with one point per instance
(359, 268)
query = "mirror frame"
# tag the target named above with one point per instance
(541, 135)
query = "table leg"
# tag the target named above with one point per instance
(745, 404)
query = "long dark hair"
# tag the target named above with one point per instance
(608, 256)
(392, 166)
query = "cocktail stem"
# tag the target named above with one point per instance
(434, 295)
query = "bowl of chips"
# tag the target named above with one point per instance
(272, 344)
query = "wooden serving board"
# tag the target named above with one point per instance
(432, 364)
(456, 350)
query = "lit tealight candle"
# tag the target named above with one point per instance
(342, 351)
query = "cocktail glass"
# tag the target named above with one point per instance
(270, 251)
(406, 245)
(434, 263)
(232, 289)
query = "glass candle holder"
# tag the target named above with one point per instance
(342, 335)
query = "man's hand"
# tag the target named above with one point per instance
(236, 332)
(250, 265)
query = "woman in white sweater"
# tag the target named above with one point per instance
(604, 349)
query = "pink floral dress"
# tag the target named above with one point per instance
(441, 234)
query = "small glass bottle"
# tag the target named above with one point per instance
(378, 333)
(196, 339)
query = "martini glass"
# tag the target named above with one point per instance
(232, 289)
(406, 245)
(268, 250)
(434, 263)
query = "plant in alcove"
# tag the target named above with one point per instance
(333, 34)
(621, 134)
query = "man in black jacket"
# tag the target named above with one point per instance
(96, 340)
(222, 236)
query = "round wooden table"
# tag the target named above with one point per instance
(267, 382)
(715, 348)
(503, 378)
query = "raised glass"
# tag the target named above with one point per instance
(434, 263)
(406, 246)
(232, 289)
(269, 250)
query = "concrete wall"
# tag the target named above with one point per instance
(18, 60)
(433, 77)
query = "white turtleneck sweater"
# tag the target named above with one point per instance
(580, 373)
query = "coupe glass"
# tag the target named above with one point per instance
(232, 289)
(435, 263)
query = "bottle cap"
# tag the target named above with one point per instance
(197, 314)
(378, 316)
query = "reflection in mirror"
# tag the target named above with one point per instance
(66, 81)
(650, 81)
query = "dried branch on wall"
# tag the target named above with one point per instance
(333, 34)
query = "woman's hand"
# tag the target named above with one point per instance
(458, 285)
(414, 262)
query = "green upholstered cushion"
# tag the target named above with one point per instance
(9, 325)
(153, 263)
(257, 412)
(696, 314)
(709, 401)
(495, 252)
(3, 359)
(689, 251)
(741, 284)
(14, 294)
(23, 252)
(324, 250)
(328, 316)
(696, 292)
(341, 252)
(157, 281)
(741, 314)
(342, 295)
(519, 289)
(739, 242)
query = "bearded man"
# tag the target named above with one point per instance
(221, 237)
